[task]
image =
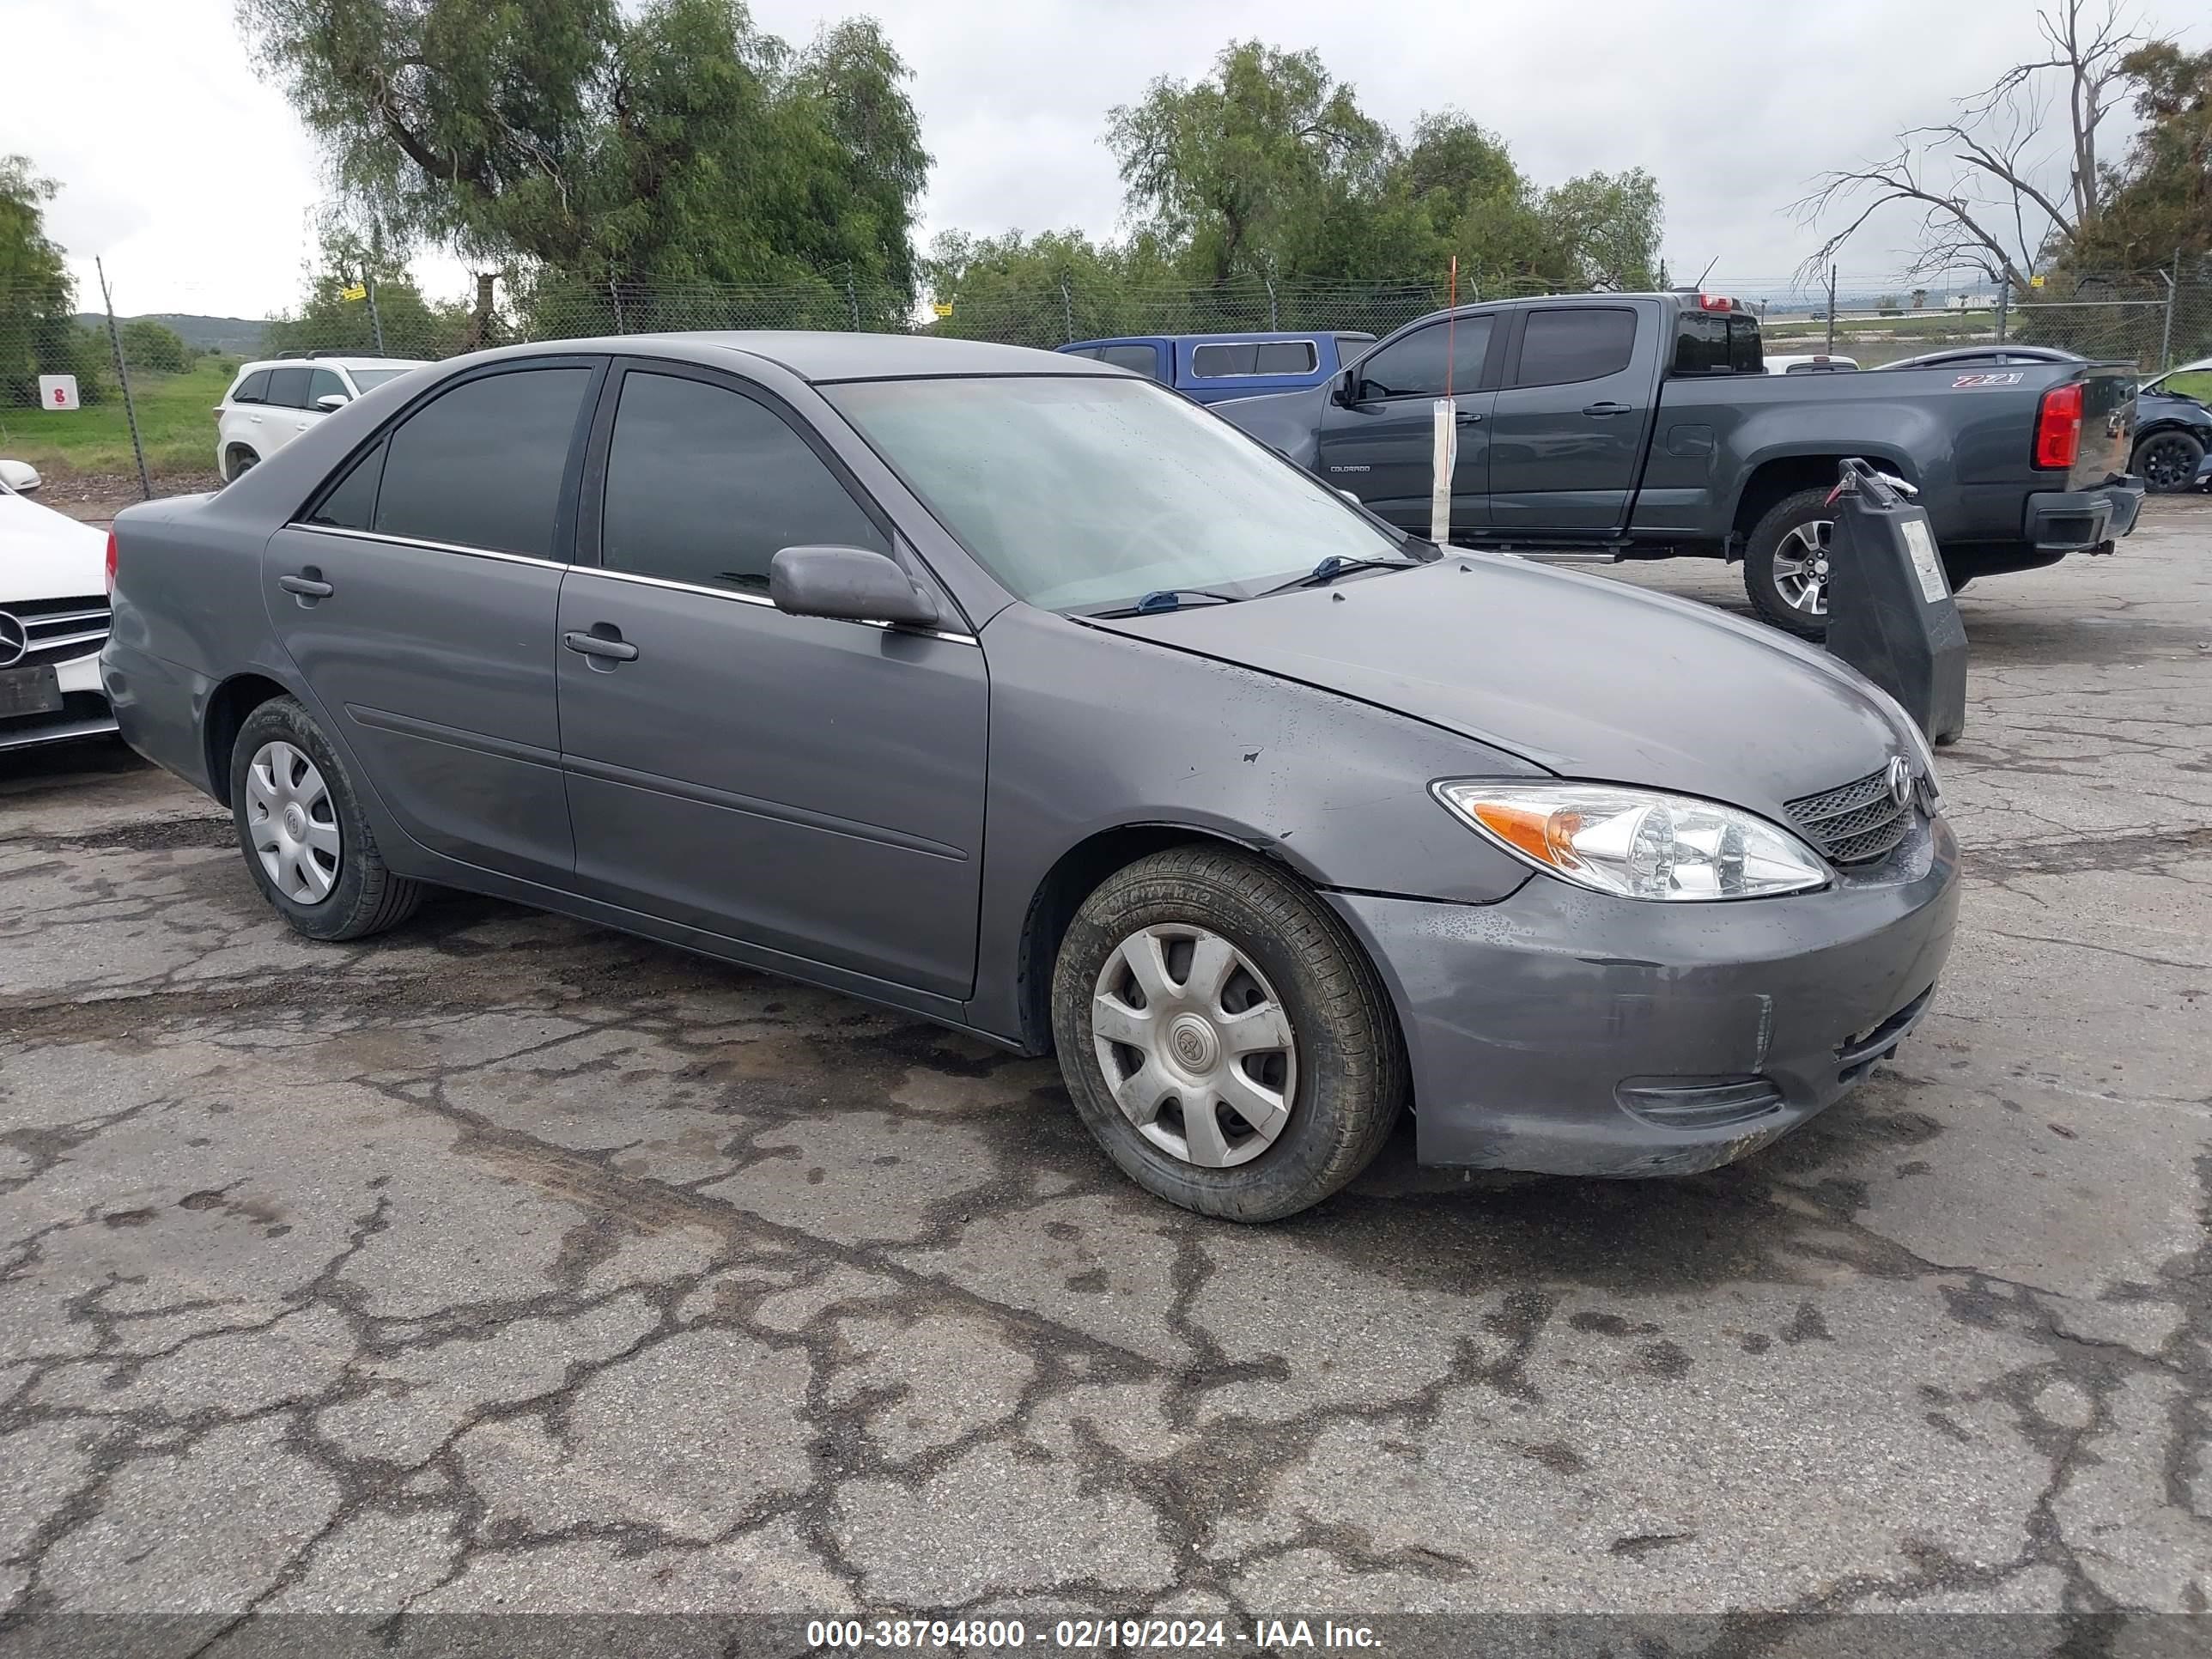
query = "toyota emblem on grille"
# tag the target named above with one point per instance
(1900, 780)
(15, 641)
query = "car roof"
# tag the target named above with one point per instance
(1257, 338)
(327, 361)
(819, 356)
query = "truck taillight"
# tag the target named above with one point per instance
(2058, 427)
(1715, 302)
(110, 562)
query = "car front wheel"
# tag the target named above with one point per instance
(1223, 1036)
(301, 826)
(2167, 461)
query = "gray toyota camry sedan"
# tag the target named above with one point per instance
(1014, 691)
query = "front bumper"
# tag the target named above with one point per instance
(1563, 1032)
(84, 712)
(2072, 521)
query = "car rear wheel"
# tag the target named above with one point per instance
(240, 461)
(2167, 461)
(1223, 1036)
(1785, 563)
(299, 824)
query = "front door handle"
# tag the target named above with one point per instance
(598, 646)
(307, 587)
(1467, 417)
(1604, 408)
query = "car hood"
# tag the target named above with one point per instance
(46, 554)
(1583, 676)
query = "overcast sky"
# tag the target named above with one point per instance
(190, 176)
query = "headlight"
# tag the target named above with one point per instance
(1637, 843)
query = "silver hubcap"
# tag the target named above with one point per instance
(292, 822)
(1800, 566)
(1194, 1045)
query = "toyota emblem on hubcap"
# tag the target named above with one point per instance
(1899, 780)
(15, 641)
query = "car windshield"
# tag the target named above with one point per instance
(1079, 491)
(365, 378)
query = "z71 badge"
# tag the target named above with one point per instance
(1996, 377)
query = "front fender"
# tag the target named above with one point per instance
(1093, 732)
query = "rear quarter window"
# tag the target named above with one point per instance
(253, 389)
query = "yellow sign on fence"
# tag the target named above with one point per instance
(942, 308)
(358, 291)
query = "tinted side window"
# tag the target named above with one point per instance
(1562, 346)
(1144, 359)
(253, 389)
(351, 505)
(481, 465)
(1286, 358)
(288, 387)
(706, 487)
(1415, 365)
(1090, 352)
(323, 384)
(1212, 362)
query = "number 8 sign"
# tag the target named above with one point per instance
(58, 392)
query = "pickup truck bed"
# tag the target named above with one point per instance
(1638, 425)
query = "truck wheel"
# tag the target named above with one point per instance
(2167, 461)
(1785, 563)
(1223, 1036)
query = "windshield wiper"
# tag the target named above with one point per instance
(1337, 565)
(1166, 598)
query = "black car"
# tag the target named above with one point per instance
(2173, 430)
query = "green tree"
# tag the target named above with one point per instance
(1233, 167)
(149, 346)
(326, 320)
(39, 333)
(604, 147)
(2158, 201)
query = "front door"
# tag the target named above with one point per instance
(1381, 444)
(418, 594)
(1568, 434)
(809, 787)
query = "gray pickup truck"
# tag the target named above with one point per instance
(1643, 426)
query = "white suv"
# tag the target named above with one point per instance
(270, 403)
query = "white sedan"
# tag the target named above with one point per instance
(54, 620)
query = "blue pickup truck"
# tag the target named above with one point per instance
(1214, 367)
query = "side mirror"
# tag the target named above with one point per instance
(1346, 389)
(331, 400)
(850, 584)
(1353, 499)
(19, 476)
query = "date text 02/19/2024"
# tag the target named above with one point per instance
(836, 1635)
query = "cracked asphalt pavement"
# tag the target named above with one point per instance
(507, 1263)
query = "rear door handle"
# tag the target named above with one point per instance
(1467, 417)
(594, 644)
(1604, 408)
(305, 586)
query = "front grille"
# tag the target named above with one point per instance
(57, 630)
(1857, 823)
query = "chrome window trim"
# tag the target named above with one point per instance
(732, 594)
(1313, 367)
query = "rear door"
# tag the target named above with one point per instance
(417, 593)
(1567, 438)
(1381, 445)
(810, 786)
(287, 415)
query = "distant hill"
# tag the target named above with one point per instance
(209, 333)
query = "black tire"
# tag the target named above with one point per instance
(1760, 583)
(240, 461)
(1351, 1080)
(366, 897)
(2167, 461)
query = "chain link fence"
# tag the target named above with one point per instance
(178, 367)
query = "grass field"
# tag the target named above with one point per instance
(175, 419)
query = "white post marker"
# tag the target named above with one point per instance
(58, 392)
(1446, 459)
